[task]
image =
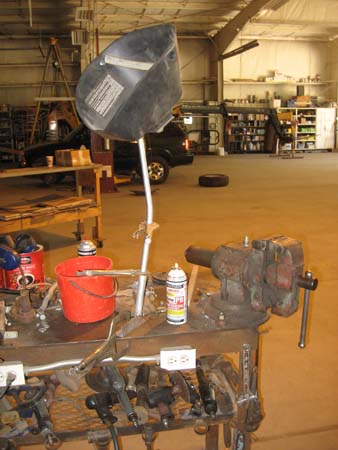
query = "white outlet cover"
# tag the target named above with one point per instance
(178, 358)
(15, 367)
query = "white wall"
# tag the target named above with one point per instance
(194, 64)
(333, 67)
(298, 59)
(293, 58)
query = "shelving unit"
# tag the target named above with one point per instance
(6, 129)
(246, 132)
(313, 128)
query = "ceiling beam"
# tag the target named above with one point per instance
(14, 20)
(118, 27)
(292, 22)
(224, 37)
(250, 37)
(161, 18)
(14, 4)
(171, 5)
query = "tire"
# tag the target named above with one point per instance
(213, 180)
(158, 170)
(47, 178)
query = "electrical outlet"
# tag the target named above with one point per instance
(10, 369)
(178, 358)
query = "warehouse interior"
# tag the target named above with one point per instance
(244, 66)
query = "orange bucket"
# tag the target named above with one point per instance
(86, 299)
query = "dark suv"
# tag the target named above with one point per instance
(164, 150)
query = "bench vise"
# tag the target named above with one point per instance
(265, 275)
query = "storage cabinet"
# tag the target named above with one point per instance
(313, 128)
(246, 132)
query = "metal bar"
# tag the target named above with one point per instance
(58, 56)
(305, 315)
(149, 220)
(36, 117)
(239, 50)
(30, 13)
(29, 370)
(110, 273)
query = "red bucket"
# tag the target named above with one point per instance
(2, 280)
(32, 267)
(86, 299)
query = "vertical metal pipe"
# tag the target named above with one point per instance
(149, 220)
(303, 329)
(30, 13)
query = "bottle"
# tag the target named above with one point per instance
(177, 304)
(86, 248)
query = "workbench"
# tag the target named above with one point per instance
(42, 214)
(64, 340)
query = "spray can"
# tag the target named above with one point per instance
(177, 304)
(86, 248)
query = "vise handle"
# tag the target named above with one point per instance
(199, 256)
(308, 284)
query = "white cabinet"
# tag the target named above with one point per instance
(325, 130)
(314, 128)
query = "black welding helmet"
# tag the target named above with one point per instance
(131, 87)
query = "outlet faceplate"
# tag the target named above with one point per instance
(178, 358)
(12, 367)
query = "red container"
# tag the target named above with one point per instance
(32, 265)
(2, 279)
(86, 299)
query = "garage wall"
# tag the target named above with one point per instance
(21, 69)
(333, 67)
(293, 58)
(195, 67)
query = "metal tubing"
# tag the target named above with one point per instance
(305, 314)
(309, 284)
(142, 281)
(108, 273)
(29, 370)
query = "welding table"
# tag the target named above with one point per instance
(65, 340)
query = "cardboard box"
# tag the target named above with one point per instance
(72, 157)
(303, 100)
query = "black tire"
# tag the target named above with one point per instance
(158, 170)
(213, 180)
(47, 178)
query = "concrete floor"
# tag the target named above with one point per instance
(266, 196)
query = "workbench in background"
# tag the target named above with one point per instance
(50, 211)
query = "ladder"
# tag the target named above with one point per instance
(55, 53)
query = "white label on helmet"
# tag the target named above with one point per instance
(104, 95)
(128, 63)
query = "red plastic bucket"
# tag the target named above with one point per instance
(86, 299)
(2, 280)
(33, 268)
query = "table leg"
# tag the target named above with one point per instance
(211, 438)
